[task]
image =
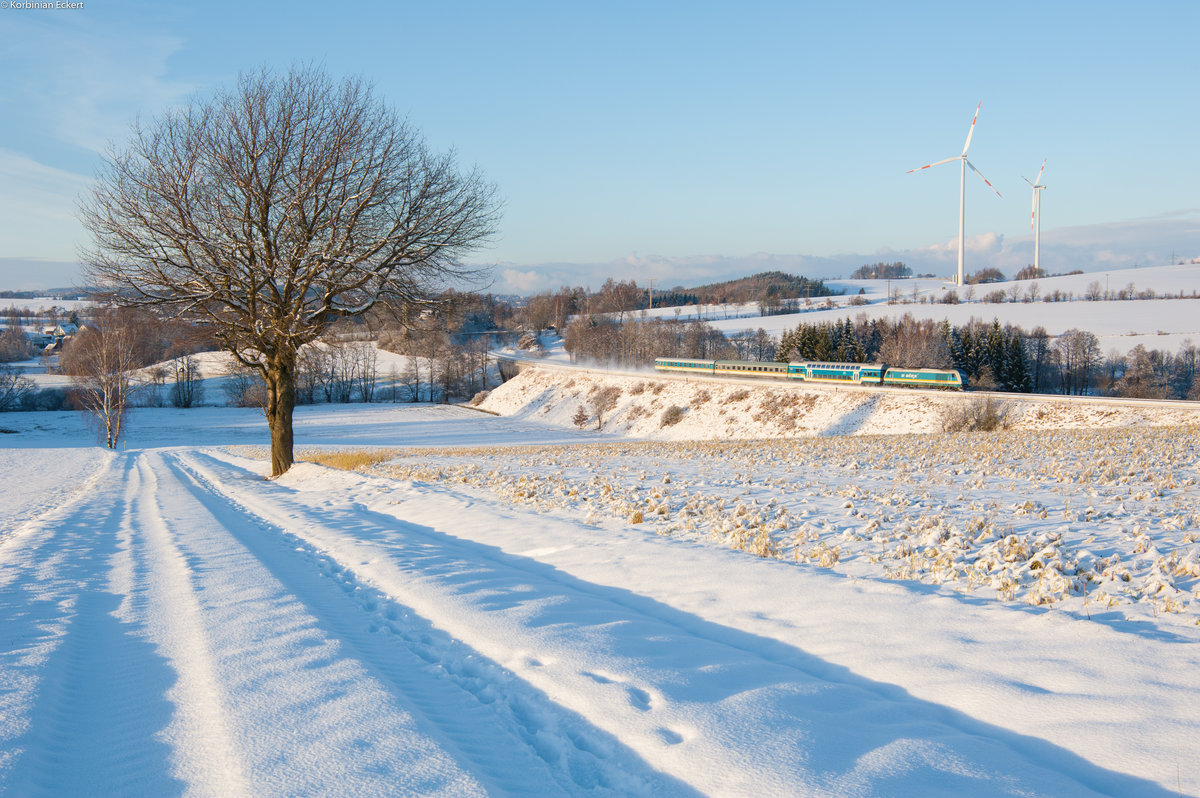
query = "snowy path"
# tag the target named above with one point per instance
(177, 625)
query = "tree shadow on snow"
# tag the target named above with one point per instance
(815, 722)
(100, 705)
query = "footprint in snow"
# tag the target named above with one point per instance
(639, 698)
(669, 736)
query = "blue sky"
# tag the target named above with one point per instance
(674, 140)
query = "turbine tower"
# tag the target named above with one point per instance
(962, 187)
(1036, 219)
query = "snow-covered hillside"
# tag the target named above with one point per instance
(728, 410)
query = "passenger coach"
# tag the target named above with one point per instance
(836, 373)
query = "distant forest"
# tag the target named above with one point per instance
(881, 271)
(762, 287)
(776, 292)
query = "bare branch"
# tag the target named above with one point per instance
(270, 210)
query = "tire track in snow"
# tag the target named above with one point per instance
(305, 715)
(83, 689)
(519, 741)
(204, 750)
(749, 714)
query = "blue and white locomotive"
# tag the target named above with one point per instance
(836, 373)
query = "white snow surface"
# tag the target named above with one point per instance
(1163, 323)
(456, 622)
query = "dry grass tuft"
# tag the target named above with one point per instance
(350, 459)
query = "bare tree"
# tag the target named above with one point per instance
(916, 343)
(105, 359)
(14, 345)
(393, 383)
(243, 386)
(15, 390)
(271, 210)
(1077, 353)
(603, 400)
(366, 365)
(1038, 348)
(187, 388)
(411, 377)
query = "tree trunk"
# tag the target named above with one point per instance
(281, 401)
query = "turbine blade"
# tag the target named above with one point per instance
(1039, 177)
(1033, 210)
(1026, 179)
(971, 132)
(935, 163)
(984, 179)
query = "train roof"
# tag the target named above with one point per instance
(819, 364)
(923, 370)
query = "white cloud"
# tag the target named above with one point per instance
(982, 244)
(520, 282)
(85, 80)
(38, 208)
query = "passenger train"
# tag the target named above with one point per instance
(836, 373)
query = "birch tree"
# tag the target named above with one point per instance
(103, 383)
(271, 210)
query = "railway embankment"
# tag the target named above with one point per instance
(654, 406)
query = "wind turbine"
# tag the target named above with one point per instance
(1035, 220)
(962, 186)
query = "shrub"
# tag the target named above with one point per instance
(244, 387)
(47, 399)
(982, 414)
(672, 416)
(15, 389)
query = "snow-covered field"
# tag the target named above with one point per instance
(1120, 325)
(45, 303)
(590, 617)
